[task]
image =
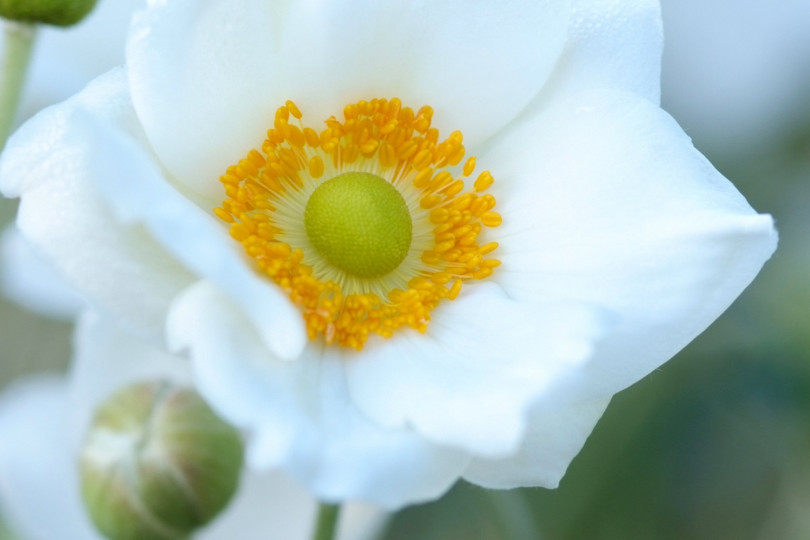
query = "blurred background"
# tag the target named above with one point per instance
(716, 443)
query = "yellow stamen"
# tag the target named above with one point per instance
(267, 191)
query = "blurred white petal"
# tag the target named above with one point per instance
(32, 283)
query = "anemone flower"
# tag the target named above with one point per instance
(402, 243)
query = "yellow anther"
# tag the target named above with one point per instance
(387, 155)
(429, 201)
(431, 257)
(422, 159)
(311, 135)
(293, 108)
(491, 219)
(463, 202)
(422, 179)
(456, 157)
(482, 273)
(282, 113)
(440, 180)
(370, 147)
(316, 166)
(455, 289)
(469, 166)
(350, 111)
(488, 248)
(443, 246)
(453, 189)
(223, 214)
(483, 181)
(407, 150)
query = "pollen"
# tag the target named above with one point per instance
(368, 224)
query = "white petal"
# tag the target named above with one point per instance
(605, 201)
(469, 382)
(39, 490)
(201, 242)
(614, 44)
(97, 133)
(51, 162)
(300, 413)
(273, 506)
(555, 435)
(208, 76)
(107, 358)
(27, 280)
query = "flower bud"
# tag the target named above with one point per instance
(55, 12)
(157, 463)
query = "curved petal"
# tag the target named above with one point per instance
(300, 413)
(51, 162)
(207, 76)
(196, 238)
(613, 44)
(27, 280)
(468, 383)
(555, 435)
(98, 249)
(611, 205)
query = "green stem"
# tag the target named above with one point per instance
(326, 524)
(18, 42)
(513, 515)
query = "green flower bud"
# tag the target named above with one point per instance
(157, 463)
(55, 12)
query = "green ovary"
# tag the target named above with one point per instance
(359, 223)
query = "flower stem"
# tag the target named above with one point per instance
(18, 42)
(326, 524)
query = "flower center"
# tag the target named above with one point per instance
(368, 224)
(360, 223)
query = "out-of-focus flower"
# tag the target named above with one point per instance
(736, 72)
(486, 347)
(44, 420)
(31, 282)
(65, 60)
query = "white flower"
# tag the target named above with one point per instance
(44, 419)
(66, 59)
(619, 242)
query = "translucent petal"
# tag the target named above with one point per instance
(206, 98)
(469, 381)
(607, 202)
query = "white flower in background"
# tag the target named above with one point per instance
(66, 59)
(44, 419)
(32, 283)
(482, 326)
(63, 62)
